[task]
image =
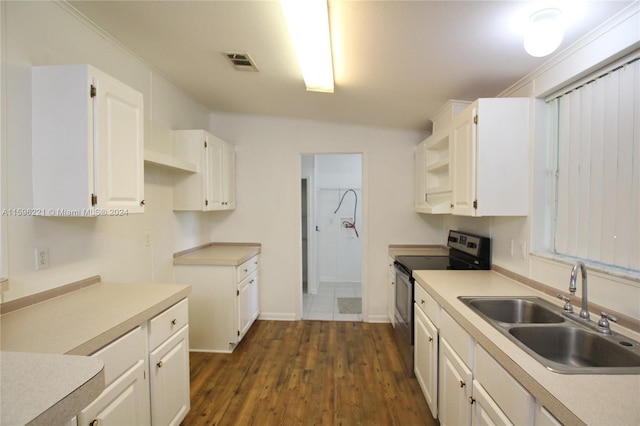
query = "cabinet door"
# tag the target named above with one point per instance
(247, 303)
(123, 402)
(119, 144)
(229, 179)
(87, 142)
(214, 163)
(169, 372)
(426, 359)
(455, 388)
(221, 174)
(391, 295)
(463, 157)
(485, 412)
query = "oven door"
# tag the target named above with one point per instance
(404, 290)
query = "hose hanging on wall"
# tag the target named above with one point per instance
(346, 223)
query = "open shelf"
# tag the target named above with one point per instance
(167, 161)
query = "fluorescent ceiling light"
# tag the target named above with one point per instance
(308, 24)
(544, 33)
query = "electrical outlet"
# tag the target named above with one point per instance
(523, 249)
(510, 248)
(42, 258)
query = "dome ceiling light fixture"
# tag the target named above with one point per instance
(544, 32)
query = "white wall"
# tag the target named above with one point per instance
(617, 38)
(268, 154)
(44, 33)
(339, 249)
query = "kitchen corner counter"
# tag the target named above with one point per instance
(37, 340)
(218, 254)
(71, 383)
(83, 321)
(596, 399)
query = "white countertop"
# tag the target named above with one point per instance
(223, 254)
(573, 398)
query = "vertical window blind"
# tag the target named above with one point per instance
(596, 135)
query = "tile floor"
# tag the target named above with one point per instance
(324, 305)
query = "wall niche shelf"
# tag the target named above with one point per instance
(169, 162)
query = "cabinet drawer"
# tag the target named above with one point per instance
(510, 396)
(461, 342)
(168, 322)
(248, 267)
(121, 354)
(427, 304)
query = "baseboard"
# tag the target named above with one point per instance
(378, 318)
(276, 316)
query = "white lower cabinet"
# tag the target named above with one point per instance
(512, 399)
(455, 387)
(248, 302)
(391, 292)
(223, 304)
(426, 350)
(485, 411)
(426, 359)
(125, 400)
(146, 373)
(462, 383)
(169, 379)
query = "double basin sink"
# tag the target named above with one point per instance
(557, 341)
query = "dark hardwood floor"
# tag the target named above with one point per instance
(307, 373)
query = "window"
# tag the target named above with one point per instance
(596, 135)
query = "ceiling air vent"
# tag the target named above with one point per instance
(241, 61)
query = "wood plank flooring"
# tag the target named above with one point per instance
(307, 373)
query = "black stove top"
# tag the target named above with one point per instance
(418, 263)
(466, 251)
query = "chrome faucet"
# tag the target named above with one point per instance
(584, 312)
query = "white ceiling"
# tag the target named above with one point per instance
(395, 62)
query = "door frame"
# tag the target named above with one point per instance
(311, 240)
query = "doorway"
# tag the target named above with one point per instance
(331, 194)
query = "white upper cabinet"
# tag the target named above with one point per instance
(490, 158)
(87, 143)
(433, 165)
(213, 186)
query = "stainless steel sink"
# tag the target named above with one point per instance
(584, 350)
(525, 310)
(563, 343)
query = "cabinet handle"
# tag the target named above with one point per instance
(251, 282)
(430, 339)
(160, 364)
(94, 422)
(174, 321)
(471, 400)
(451, 205)
(143, 202)
(462, 384)
(246, 270)
(422, 301)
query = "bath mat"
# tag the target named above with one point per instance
(350, 305)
